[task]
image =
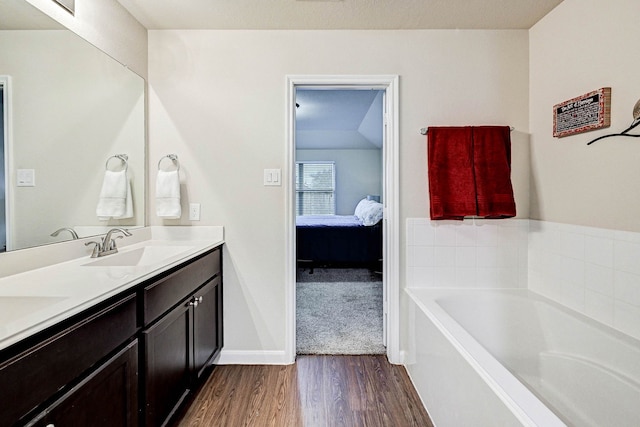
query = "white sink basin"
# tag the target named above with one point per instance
(14, 307)
(146, 255)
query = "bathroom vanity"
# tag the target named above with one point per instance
(122, 356)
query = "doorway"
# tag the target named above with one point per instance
(387, 87)
(338, 161)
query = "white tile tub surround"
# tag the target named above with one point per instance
(471, 253)
(591, 270)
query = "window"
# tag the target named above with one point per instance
(315, 188)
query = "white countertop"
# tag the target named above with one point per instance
(33, 300)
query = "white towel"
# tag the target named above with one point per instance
(168, 194)
(115, 196)
(128, 203)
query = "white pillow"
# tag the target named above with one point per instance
(372, 213)
(362, 205)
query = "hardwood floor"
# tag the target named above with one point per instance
(315, 391)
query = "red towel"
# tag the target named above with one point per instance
(470, 172)
(492, 165)
(451, 183)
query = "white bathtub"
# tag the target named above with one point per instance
(511, 357)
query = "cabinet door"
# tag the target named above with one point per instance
(207, 337)
(37, 374)
(106, 398)
(167, 371)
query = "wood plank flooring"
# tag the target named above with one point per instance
(315, 391)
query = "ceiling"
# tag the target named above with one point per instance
(338, 119)
(338, 14)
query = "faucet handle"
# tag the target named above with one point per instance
(112, 244)
(96, 248)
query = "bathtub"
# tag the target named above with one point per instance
(513, 358)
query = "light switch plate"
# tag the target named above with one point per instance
(272, 177)
(26, 178)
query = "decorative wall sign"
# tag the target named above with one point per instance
(584, 113)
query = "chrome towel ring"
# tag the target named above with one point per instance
(123, 158)
(173, 158)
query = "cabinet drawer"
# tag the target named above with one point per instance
(33, 376)
(108, 397)
(161, 296)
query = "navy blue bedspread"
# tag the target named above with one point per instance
(338, 240)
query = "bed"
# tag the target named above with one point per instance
(341, 240)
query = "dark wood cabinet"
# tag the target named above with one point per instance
(107, 397)
(128, 361)
(161, 295)
(207, 326)
(166, 374)
(49, 365)
(179, 345)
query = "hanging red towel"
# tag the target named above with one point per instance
(492, 167)
(470, 172)
(451, 183)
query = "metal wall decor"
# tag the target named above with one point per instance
(634, 124)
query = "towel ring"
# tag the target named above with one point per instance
(173, 158)
(123, 158)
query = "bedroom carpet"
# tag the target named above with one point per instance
(339, 318)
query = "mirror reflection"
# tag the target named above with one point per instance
(68, 109)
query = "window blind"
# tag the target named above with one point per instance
(315, 188)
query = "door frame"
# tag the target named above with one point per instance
(391, 235)
(5, 82)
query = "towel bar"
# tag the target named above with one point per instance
(423, 131)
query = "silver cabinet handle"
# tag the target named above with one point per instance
(195, 301)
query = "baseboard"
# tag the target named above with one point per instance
(403, 358)
(268, 357)
(252, 357)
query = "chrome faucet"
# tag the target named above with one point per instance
(70, 230)
(108, 245)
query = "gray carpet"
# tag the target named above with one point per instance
(339, 318)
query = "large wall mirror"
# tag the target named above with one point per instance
(68, 109)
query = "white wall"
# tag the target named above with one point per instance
(217, 99)
(358, 173)
(583, 45)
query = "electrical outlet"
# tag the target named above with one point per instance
(194, 211)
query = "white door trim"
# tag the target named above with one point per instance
(391, 263)
(5, 82)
